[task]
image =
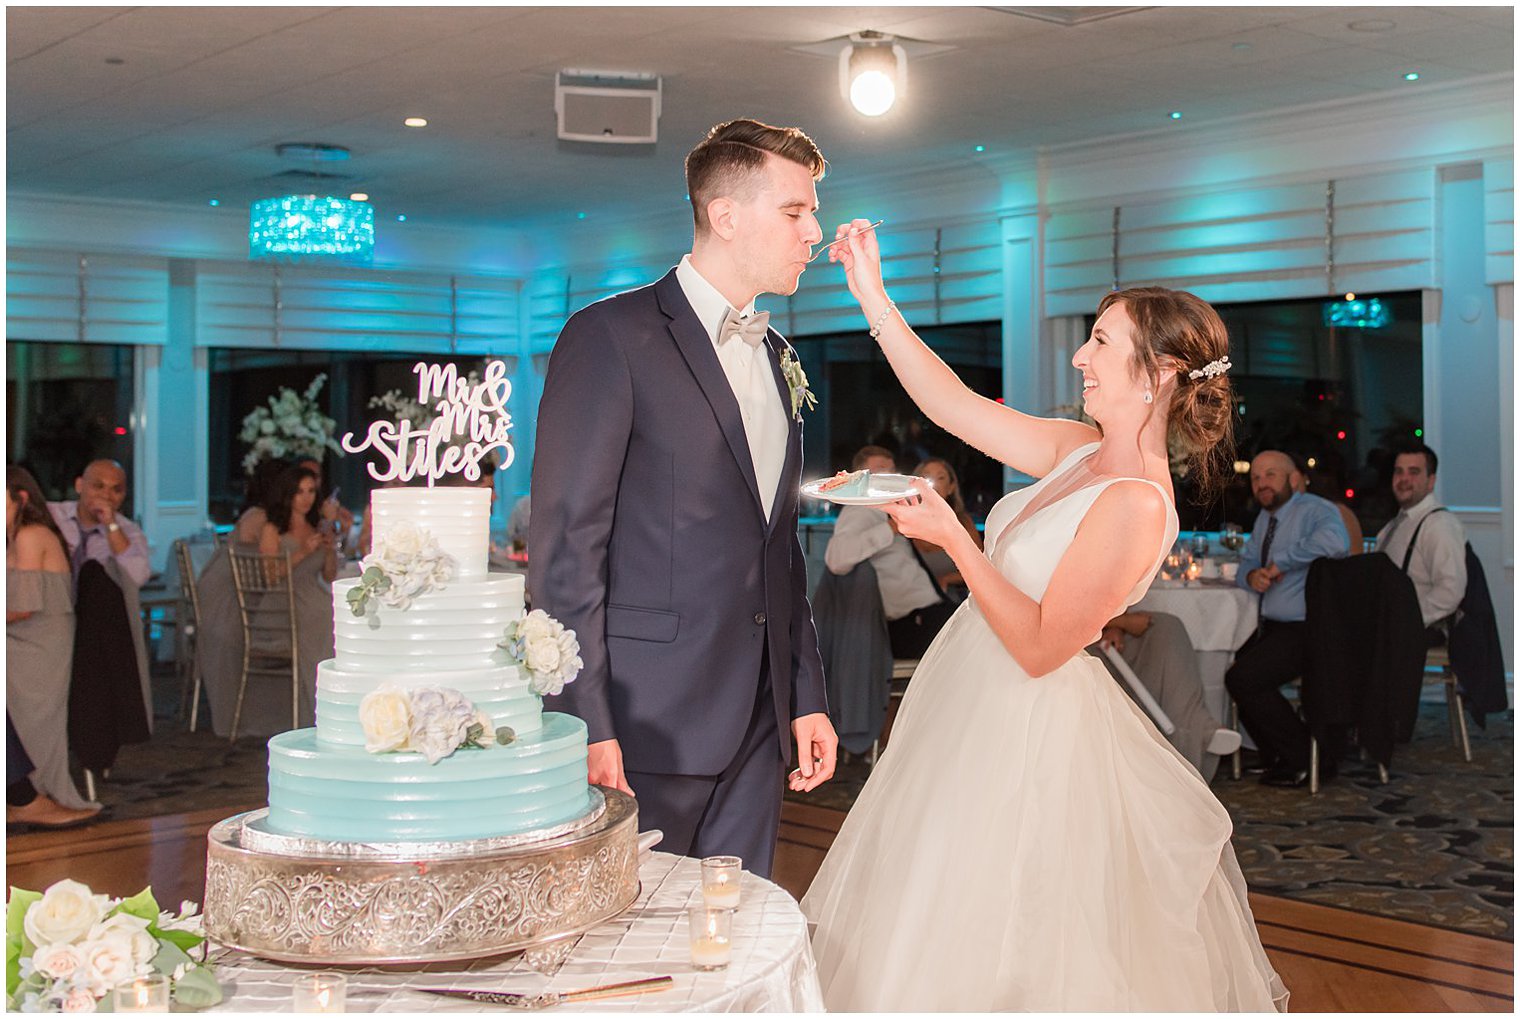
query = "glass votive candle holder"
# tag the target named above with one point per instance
(720, 881)
(710, 944)
(142, 994)
(321, 992)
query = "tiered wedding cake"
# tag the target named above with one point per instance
(324, 784)
(436, 811)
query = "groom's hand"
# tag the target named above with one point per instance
(817, 747)
(604, 765)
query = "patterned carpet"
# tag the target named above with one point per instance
(1434, 846)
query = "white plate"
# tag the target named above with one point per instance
(883, 488)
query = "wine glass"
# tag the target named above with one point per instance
(1233, 538)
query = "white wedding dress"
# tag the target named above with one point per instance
(1034, 844)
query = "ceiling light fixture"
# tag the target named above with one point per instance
(358, 196)
(1175, 114)
(310, 225)
(1412, 76)
(415, 122)
(873, 72)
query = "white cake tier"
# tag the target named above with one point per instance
(346, 794)
(458, 627)
(501, 691)
(460, 518)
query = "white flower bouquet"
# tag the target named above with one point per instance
(431, 721)
(290, 425)
(67, 947)
(407, 562)
(551, 654)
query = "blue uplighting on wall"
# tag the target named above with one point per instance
(1369, 313)
(306, 226)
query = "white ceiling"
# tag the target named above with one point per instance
(194, 99)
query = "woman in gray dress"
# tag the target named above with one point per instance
(39, 651)
(295, 526)
(221, 628)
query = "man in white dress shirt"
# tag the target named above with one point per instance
(93, 529)
(915, 605)
(1438, 562)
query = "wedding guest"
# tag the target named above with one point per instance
(295, 526)
(221, 627)
(1438, 563)
(948, 485)
(517, 523)
(1291, 531)
(106, 616)
(39, 650)
(1158, 650)
(327, 498)
(915, 604)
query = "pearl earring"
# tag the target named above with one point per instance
(1148, 396)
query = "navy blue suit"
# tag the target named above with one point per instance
(648, 539)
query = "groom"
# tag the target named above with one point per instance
(664, 526)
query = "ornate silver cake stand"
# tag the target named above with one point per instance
(312, 901)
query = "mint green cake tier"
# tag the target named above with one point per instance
(348, 794)
(499, 690)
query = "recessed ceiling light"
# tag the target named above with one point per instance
(358, 196)
(401, 217)
(580, 215)
(1371, 25)
(415, 122)
(1175, 114)
(1350, 295)
(215, 201)
(1412, 76)
(978, 148)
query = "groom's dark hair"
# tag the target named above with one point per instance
(734, 151)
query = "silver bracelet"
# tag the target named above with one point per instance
(881, 319)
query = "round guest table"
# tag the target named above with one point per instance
(772, 968)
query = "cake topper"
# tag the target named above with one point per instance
(470, 421)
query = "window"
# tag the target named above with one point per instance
(67, 404)
(860, 402)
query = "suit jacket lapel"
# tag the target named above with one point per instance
(696, 347)
(790, 465)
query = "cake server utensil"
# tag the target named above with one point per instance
(548, 999)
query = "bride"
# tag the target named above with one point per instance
(1029, 841)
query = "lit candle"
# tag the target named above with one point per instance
(710, 945)
(144, 994)
(321, 992)
(720, 881)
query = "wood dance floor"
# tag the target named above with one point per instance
(1332, 960)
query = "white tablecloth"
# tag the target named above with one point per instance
(772, 968)
(1218, 618)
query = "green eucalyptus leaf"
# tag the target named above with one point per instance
(505, 735)
(142, 905)
(197, 988)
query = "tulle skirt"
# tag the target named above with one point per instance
(1032, 845)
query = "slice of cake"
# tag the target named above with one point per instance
(850, 484)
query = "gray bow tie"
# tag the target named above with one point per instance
(751, 330)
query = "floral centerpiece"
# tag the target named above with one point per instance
(549, 652)
(67, 947)
(407, 561)
(290, 425)
(432, 721)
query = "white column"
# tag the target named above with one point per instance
(1022, 316)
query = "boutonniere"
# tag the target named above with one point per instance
(796, 383)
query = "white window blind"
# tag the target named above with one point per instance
(1248, 245)
(309, 308)
(1499, 220)
(69, 297)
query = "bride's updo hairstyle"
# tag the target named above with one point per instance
(1174, 329)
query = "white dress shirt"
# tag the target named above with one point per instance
(134, 561)
(1439, 564)
(861, 533)
(748, 370)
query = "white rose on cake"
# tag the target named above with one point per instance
(407, 562)
(65, 913)
(551, 654)
(385, 714)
